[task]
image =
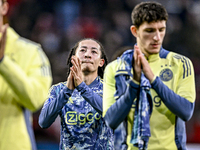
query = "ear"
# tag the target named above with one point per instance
(5, 7)
(133, 30)
(101, 63)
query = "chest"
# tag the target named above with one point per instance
(79, 104)
(78, 111)
(168, 71)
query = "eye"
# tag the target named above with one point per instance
(82, 50)
(149, 30)
(94, 52)
(162, 30)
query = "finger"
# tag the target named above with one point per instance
(137, 47)
(136, 54)
(3, 40)
(75, 60)
(79, 63)
(70, 81)
(146, 69)
(76, 77)
(74, 65)
(4, 30)
(4, 27)
(72, 70)
(74, 73)
(139, 52)
(70, 75)
(143, 60)
(136, 50)
(140, 59)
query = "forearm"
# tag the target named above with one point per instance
(120, 109)
(178, 105)
(53, 106)
(30, 90)
(91, 97)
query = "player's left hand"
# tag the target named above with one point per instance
(136, 64)
(76, 70)
(146, 68)
(70, 81)
(3, 40)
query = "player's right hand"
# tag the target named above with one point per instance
(70, 82)
(3, 40)
(137, 67)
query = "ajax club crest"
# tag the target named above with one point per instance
(166, 75)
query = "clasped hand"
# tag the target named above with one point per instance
(3, 40)
(75, 76)
(140, 64)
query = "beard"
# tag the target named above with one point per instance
(86, 70)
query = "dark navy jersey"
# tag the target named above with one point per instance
(82, 125)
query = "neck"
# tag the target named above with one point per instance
(89, 78)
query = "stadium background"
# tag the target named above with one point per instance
(58, 24)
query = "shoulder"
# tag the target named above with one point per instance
(100, 80)
(57, 87)
(16, 40)
(179, 59)
(174, 57)
(181, 64)
(112, 66)
(27, 42)
(98, 84)
(126, 57)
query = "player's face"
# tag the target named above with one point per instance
(89, 54)
(3, 9)
(150, 37)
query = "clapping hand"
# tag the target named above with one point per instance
(75, 77)
(137, 66)
(3, 40)
(141, 64)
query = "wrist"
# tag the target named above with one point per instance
(137, 78)
(151, 81)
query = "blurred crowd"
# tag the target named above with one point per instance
(58, 24)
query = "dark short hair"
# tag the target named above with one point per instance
(148, 12)
(73, 52)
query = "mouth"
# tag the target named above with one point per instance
(87, 62)
(155, 45)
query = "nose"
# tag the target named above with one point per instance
(88, 54)
(157, 36)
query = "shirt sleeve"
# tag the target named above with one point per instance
(29, 85)
(91, 97)
(181, 101)
(53, 105)
(116, 109)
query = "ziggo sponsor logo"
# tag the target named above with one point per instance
(73, 118)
